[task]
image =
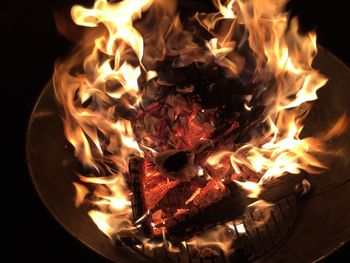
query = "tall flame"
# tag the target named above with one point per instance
(283, 52)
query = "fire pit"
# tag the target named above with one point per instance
(183, 139)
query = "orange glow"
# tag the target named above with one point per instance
(103, 84)
(81, 192)
(193, 196)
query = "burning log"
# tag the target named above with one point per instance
(180, 209)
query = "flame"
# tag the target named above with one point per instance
(81, 192)
(225, 10)
(100, 90)
(261, 210)
(218, 237)
(288, 56)
(193, 196)
(102, 221)
(252, 188)
(118, 19)
(306, 186)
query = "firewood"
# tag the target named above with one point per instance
(201, 213)
(231, 207)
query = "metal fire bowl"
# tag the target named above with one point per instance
(323, 222)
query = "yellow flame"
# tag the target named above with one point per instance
(252, 188)
(81, 192)
(226, 10)
(118, 19)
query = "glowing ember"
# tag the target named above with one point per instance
(217, 101)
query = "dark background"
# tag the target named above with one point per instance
(31, 45)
